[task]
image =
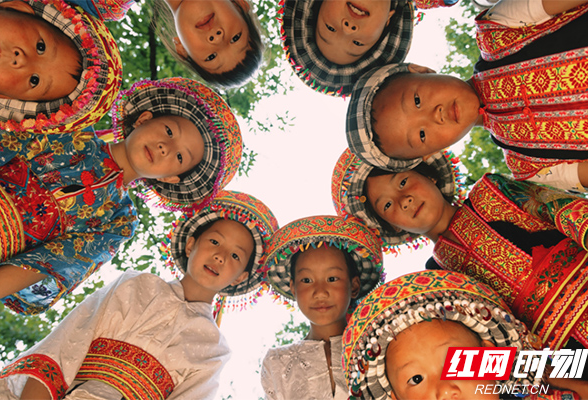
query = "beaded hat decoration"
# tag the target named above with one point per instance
(418, 297)
(212, 116)
(236, 206)
(344, 233)
(298, 23)
(99, 83)
(347, 190)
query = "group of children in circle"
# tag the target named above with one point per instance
(508, 259)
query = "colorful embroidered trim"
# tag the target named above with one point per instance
(12, 234)
(44, 369)
(134, 372)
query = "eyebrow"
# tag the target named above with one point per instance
(180, 134)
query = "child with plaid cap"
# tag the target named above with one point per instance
(528, 91)
(331, 43)
(396, 342)
(324, 263)
(63, 69)
(144, 338)
(526, 241)
(64, 201)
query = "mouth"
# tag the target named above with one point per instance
(418, 210)
(322, 308)
(206, 22)
(211, 270)
(357, 11)
(148, 154)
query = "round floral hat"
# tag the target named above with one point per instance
(99, 83)
(212, 116)
(236, 206)
(298, 23)
(347, 190)
(344, 233)
(418, 297)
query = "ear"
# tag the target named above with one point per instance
(180, 48)
(169, 179)
(355, 286)
(240, 278)
(419, 69)
(487, 343)
(390, 14)
(189, 244)
(292, 289)
(243, 5)
(144, 117)
(18, 5)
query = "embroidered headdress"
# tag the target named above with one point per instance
(418, 297)
(347, 234)
(213, 118)
(298, 23)
(347, 190)
(99, 83)
(236, 206)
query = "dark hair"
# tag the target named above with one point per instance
(163, 23)
(349, 261)
(249, 267)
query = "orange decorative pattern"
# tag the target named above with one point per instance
(572, 220)
(12, 233)
(134, 372)
(41, 367)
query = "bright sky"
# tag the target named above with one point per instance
(292, 175)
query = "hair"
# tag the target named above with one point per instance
(164, 25)
(349, 261)
(249, 267)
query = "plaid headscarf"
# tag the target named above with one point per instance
(347, 190)
(213, 118)
(347, 234)
(236, 206)
(414, 298)
(298, 38)
(360, 134)
(99, 83)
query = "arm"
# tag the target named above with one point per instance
(35, 390)
(14, 279)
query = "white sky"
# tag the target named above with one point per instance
(292, 176)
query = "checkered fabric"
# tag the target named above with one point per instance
(360, 135)
(213, 118)
(99, 83)
(418, 297)
(298, 38)
(344, 233)
(236, 206)
(347, 190)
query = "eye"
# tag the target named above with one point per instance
(329, 27)
(34, 80)
(40, 46)
(169, 131)
(180, 159)
(332, 279)
(214, 242)
(387, 205)
(355, 42)
(236, 37)
(305, 280)
(210, 57)
(415, 380)
(422, 135)
(417, 101)
(403, 182)
(235, 256)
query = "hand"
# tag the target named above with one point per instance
(419, 69)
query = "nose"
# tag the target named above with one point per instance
(320, 291)
(447, 390)
(405, 202)
(219, 258)
(438, 114)
(163, 148)
(348, 26)
(18, 59)
(216, 36)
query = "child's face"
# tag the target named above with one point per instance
(219, 256)
(406, 200)
(163, 147)
(415, 358)
(322, 287)
(345, 30)
(213, 33)
(420, 114)
(37, 60)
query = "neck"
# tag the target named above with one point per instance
(324, 332)
(480, 119)
(119, 153)
(195, 292)
(443, 224)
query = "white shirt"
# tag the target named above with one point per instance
(517, 13)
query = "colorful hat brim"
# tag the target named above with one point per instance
(344, 233)
(298, 38)
(99, 83)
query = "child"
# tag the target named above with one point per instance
(397, 339)
(65, 205)
(143, 338)
(534, 109)
(527, 241)
(66, 69)
(330, 44)
(217, 39)
(323, 263)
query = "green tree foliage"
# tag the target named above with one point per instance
(291, 332)
(480, 154)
